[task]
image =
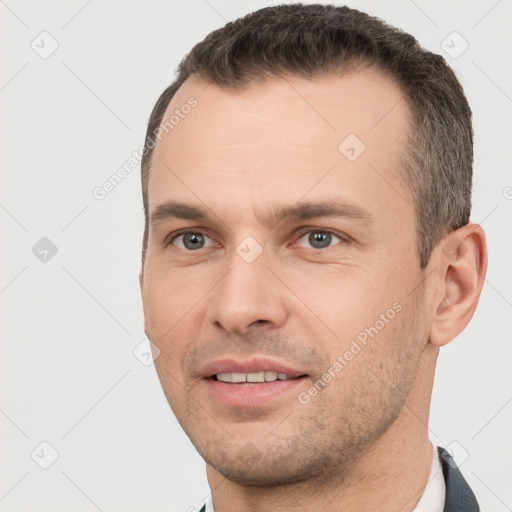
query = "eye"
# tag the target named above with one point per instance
(318, 239)
(192, 240)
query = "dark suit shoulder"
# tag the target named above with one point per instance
(459, 496)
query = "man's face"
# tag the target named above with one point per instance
(273, 254)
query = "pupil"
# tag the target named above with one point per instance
(319, 240)
(193, 241)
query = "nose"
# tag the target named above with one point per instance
(249, 297)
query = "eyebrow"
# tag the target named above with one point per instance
(177, 210)
(311, 210)
(295, 212)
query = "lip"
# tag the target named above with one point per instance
(254, 394)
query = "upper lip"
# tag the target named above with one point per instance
(252, 365)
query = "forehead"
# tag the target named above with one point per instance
(280, 137)
(365, 102)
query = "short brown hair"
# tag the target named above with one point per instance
(317, 40)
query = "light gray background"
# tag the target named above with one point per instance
(70, 325)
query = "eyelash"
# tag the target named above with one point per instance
(173, 236)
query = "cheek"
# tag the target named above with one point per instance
(346, 299)
(170, 297)
(168, 370)
(175, 301)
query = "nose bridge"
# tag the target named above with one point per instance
(247, 295)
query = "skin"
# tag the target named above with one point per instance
(362, 442)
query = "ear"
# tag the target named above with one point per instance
(461, 260)
(141, 284)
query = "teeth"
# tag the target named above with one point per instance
(239, 378)
(270, 376)
(256, 377)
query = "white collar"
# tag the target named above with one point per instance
(433, 497)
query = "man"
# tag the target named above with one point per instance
(308, 250)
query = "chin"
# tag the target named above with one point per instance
(261, 475)
(250, 467)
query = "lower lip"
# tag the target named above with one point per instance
(252, 395)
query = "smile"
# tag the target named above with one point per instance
(250, 378)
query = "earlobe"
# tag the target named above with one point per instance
(461, 260)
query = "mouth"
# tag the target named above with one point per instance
(254, 383)
(253, 377)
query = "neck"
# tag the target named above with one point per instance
(390, 476)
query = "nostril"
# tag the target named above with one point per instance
(259, 322)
